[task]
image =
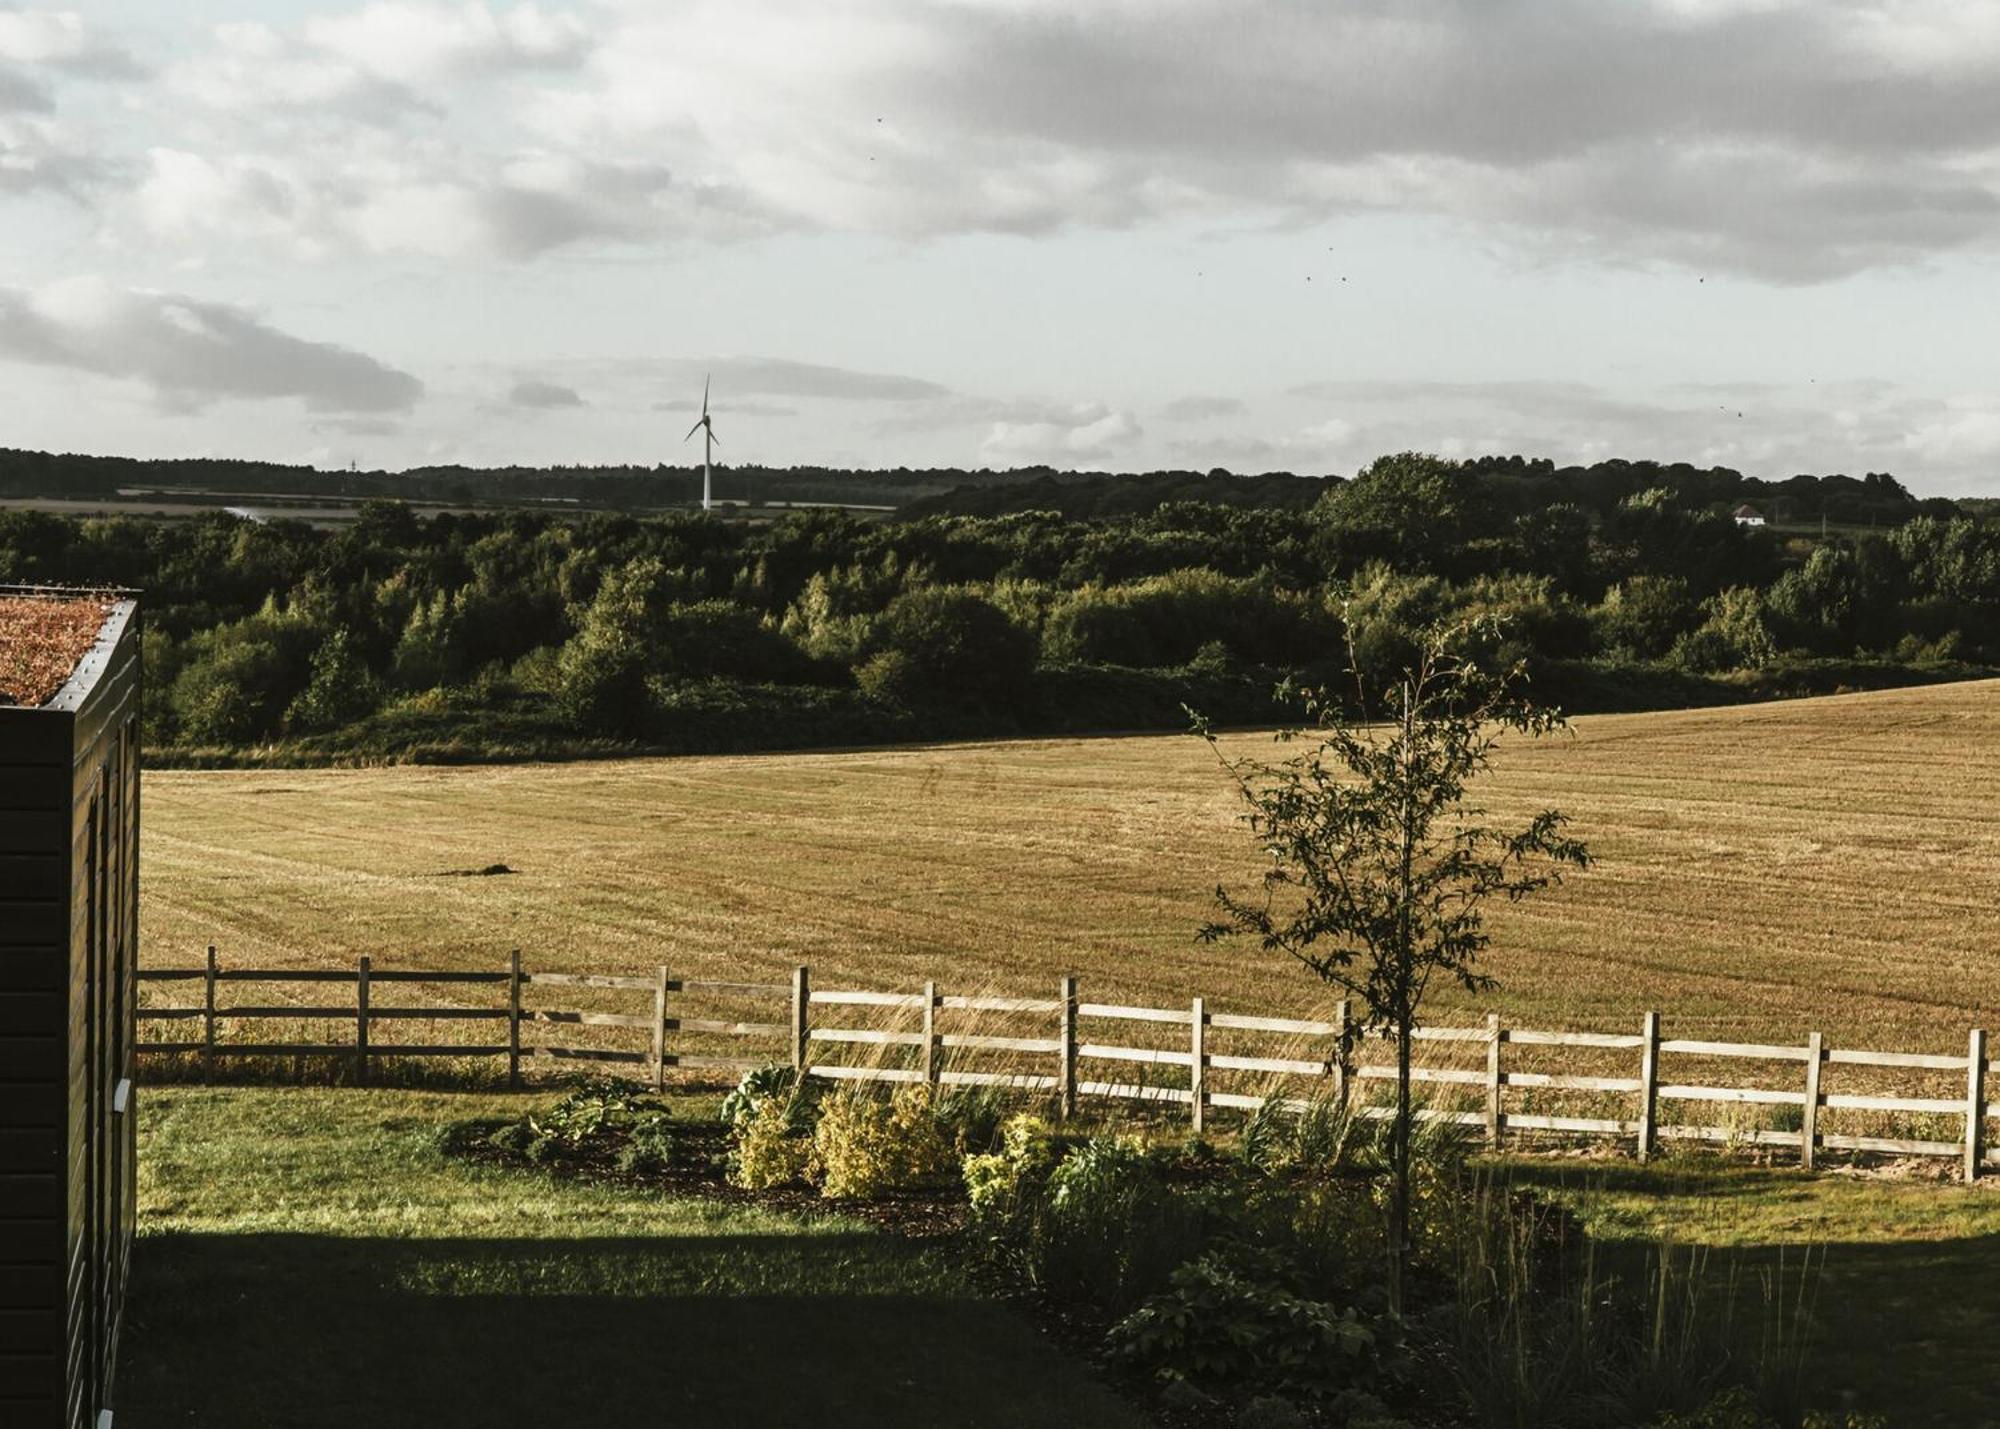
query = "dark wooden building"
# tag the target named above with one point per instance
(69, 912)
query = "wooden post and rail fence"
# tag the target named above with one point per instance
(1321, 1058)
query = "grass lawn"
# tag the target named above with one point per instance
(1761, 870)
(307, 1257)
(1907, 1304)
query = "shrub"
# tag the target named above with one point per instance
(995, 1183)
(1228, 1320)
(863, 1146)
(514, 1137)
(772, 1114)
(759, 1084)
(1108, 1230)
(958, 646)
(769, 1151)
(340, 688)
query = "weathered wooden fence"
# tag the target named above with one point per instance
(521, 1022)
(1509, 1080)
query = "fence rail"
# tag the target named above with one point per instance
(1048, 1040)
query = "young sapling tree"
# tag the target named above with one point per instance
(1379, 866)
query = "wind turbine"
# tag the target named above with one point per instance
(707, 429)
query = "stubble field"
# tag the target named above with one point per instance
(1759, 871)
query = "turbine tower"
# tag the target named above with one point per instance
(707, 429)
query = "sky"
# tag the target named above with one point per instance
(1119, 236)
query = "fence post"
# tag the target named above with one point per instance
(1975, 1102)
(1340, 1017)
(1066, 1036)
(1809, 1123)
(801, 1017)
(361, 1021)
(1493, 1039)
(1649, 1084)
(1198, 1065)
(514, 1020)
(208, 1010)
(930, 1035)
(660, 1031)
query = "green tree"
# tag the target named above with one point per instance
(1412, 510)
(1379, 868)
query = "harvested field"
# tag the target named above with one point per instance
(1761, 871)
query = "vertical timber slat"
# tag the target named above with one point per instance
(1975, 1102)
(1494, 1036)
(1066, 1076)
(801, 1016)
(361, 1020)
(1649, 1084)
(1809, 1123)
(514, 1020)
(1198, 1065)
(930, 1035)
(208, 1008)
(1340, 1054)
(660, 1031)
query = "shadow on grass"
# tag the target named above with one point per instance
(1903, 1327)
(303, 1330)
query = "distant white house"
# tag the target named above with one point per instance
(1748, 516)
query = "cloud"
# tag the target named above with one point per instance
(61, 39)
(421, 44)
(780, 377)
(1088, 434)
(189, 352)
(543, 396)
(19, 94)
(1791, 142)
(1763, 429)
(40, 155)
(1202, 409)
(379, 198)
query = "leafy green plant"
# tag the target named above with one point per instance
(1228, 1320)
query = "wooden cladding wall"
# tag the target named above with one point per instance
(69, 808)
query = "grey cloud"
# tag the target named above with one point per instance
(191, 352)
(21, 94)
(779, 377)
(359, 426)
(544, 396)
(1201, 409)
(1762, 429)
(736, 409)
(1794, 143)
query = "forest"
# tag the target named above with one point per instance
(1090, 604)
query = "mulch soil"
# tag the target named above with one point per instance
(41, 639)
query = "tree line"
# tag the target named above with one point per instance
(529, 632)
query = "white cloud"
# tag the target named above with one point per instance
(189, 352)
(422, 44)
(61, 39)
(1088, 434)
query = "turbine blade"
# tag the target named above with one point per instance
(713, 437)
(692, 430)
(704, 395)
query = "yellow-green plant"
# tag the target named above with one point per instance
(863, 1146)
(769, 1150)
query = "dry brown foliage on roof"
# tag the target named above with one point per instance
(41, 639)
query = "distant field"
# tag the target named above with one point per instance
(1829, 863)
